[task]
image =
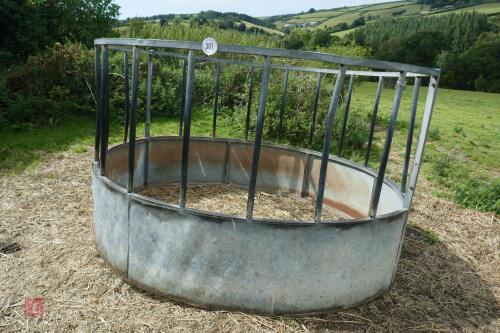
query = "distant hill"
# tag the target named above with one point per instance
(337, 21)
(341, 20)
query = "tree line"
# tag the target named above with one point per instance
(455, 3)
(465, 46)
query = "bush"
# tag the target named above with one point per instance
(48, 87)
(434, 134)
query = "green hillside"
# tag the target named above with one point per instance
(338, 21)
(342, 19)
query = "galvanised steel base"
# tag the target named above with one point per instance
(215, 261)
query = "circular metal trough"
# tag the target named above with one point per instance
(249, 263)
(224, 262)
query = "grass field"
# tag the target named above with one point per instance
(268, 30)
(375, 12)
(342, 33)
(330, 18)
(485, 8)
(349, 14)
(463, 150)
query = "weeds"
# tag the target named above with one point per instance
(434, 134)
(467, 189)
(428, 236)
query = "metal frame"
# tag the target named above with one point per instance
(138, 46)
(271, 52)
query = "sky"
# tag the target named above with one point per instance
(131, 8)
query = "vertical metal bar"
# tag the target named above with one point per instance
(346, 115)
(258, 137)
(409, 139)
(216, 98)
(307, 171)
(97, 102)
(283, 104)
(147, 126)
(127, 94)
(374, 119)
(133, 117)
(249, 104)
(149, 83)
(183, 103)
(187, 127)
(379, 181)
(328, 141)
(104, 107)
(226, 162)
(426, 121)
(315, 111)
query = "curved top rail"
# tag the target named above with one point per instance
(273, 52)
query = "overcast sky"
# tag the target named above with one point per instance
(131, 8)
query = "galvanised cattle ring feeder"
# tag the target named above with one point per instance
(217, 261)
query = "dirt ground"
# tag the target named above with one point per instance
(448, 278)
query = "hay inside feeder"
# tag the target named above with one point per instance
(231, 200)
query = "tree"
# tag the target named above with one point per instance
(242, 26)
(478, 68)
(360, 21)
(136, 25)
(295, 40)
(312, 10)
(421, 48)
(321, 38)
(461, 30)
(30, 25)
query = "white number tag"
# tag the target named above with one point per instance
(209, 46)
